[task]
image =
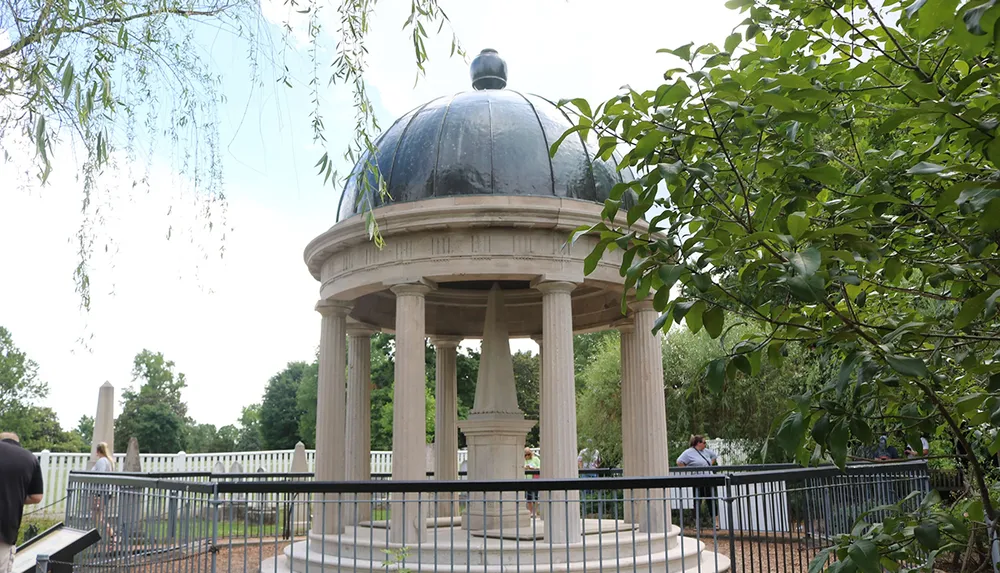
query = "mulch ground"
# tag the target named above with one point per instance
(760, 554)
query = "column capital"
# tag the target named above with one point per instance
(625, 327)
(446, 341)
(411, 289)
(328, 307)
(538, 339)
(547, 287)
(640, 305)
(360, 330)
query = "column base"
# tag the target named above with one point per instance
(496, 452)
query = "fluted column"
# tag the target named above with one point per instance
(558, 411)
(330, 410)
(541, 387)
(358, 431)
(630, 458)
(407, 524)
(649, 415)
(446, 419)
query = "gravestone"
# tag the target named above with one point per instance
(133, 463)
(238, 501)
(264, 510)
(299, 464)
(297, 511)
(129, 511)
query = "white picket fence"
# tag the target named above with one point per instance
(57, 466)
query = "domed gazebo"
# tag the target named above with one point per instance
(476, 246)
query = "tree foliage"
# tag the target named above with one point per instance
(92, 85)
(743, 413)
(39, 429)
(85, 427)
(154, 413)
(20, 391)
(840, 161)
(526, 382)
(19, 382)
(249, 438)
(206, 438)
(280, 413)
(100, 87)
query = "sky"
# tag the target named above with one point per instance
(231, 313)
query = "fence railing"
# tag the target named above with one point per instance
(56, 467)
(748, 521)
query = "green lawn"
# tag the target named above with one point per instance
(32, 527)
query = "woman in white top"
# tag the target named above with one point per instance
(104, 461)
(104, 464)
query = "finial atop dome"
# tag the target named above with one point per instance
(488, 71)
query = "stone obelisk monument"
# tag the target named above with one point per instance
(104, 422)
(496, 428)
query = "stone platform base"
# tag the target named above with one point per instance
(612, 547)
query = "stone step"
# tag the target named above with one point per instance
(704, 562)
(475, 549)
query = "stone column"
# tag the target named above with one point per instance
(446, 419)
(357, 432)
(539, 509)
(558, 411)
(649, 417)
(628, 392)
(330, 405)
(541, 387)
(407, 524)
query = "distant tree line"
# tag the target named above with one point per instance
(153, 411)
(288, 408)
(20, 391)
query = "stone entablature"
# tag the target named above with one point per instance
(458, 239)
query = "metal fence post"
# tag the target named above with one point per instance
(42, 563)
(215, 524)
(731, 524)
(172, 503)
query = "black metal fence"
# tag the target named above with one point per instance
(748, 519)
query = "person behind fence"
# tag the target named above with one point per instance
(588, 459)
(883, 451)
(532, 463)
(925, 449)
(20, 485)
(698, 455)
(104, 464)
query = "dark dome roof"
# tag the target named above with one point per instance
(488, 142)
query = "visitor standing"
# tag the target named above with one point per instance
(532, 464)
(20, 485)
(698, 455)
(104, 464)
(883, 451)
(588, 459)
(925, 449)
